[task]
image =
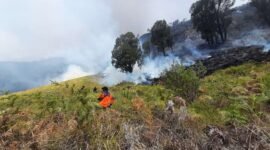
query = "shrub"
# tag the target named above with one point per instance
(266, 87)
(200, 69)
(182, 81)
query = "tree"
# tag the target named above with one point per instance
(161, 35)
(263, 7)
(126, 52)
(212, 18)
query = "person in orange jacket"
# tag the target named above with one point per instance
(105, 99)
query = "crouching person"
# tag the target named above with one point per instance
(105, 99)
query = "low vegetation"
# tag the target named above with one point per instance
(233, 104)
(184, 82)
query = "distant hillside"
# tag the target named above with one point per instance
(246, 29)
(16, 76)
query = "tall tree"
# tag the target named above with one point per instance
(212, 18)
(126, 52)
(263, 7)
(161, 35)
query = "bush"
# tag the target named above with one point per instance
(184, 82)
(266, 87)
(200, 69)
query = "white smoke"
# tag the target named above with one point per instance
(73, 71)
(254, 37)
(152, 68)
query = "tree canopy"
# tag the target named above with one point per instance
(212, 18)
(161, 35)
(126, 52)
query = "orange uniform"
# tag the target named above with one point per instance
(106, 100)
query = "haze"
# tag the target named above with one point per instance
(82, 31)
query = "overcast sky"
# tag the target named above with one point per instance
(81, 30)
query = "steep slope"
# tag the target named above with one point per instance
(66, 115)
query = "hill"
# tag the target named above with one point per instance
(247, 29)
(233, 104)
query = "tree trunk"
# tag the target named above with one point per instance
(163, 51)
(219, 22)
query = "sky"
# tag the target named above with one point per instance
(82, 31)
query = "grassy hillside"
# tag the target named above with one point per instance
(67, 116)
